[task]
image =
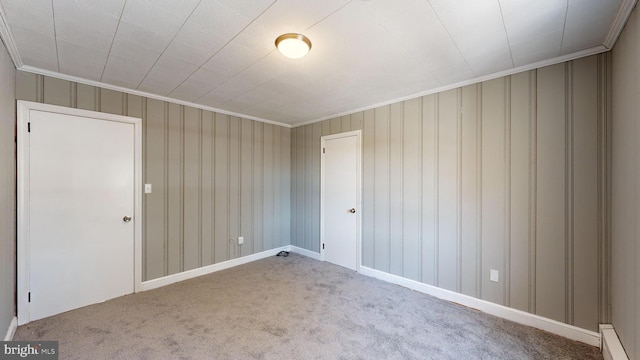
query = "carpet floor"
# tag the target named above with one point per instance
(292, 308)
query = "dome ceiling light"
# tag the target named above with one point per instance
(293, 46)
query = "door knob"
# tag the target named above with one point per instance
(352, 210)
(126, 218)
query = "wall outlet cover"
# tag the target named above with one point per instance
(494, 275)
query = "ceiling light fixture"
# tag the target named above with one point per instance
(293, 46)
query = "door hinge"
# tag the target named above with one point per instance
(323, 150)
(29, 300)
(322, 246)
(28, 127)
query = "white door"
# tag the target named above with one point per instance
(80, 210)
(340, 199)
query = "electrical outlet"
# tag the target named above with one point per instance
(494, 275)
(147, 188)
(240, 240)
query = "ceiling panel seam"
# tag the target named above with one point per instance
(218, 51)
(168, 44)
(113, 39)
(506, 34)
(564, 27)
(451, 37)
(55, 36)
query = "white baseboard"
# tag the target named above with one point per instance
(189, 274)
(305, 252)
(13, 326)
(611, 346)
(522, 317)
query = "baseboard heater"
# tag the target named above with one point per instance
(610, 344)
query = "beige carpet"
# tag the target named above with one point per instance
(292, 308)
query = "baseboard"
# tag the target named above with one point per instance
(189, 274)
(522, 317)
(611, 346)
(305, 252)
(13, 326)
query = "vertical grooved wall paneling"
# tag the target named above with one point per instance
(382, 173)
(246, 184)
(175, 198)
(207, 192)
(585, 191)
(277, 163)
(192, 189)
(396, 234)
(268, 181)
(368, 196)
(551, 208)
(493, 188)
(284, 200)
(411, 163)
(520, 183)
(313, 158)
(447, 190)
(621, 179)
(429, 199)
(215, 177)
(309, 212)
(234, 188)
(469, 191)
(258, 188)
(154, 211)
(8, 213)
(500, 175)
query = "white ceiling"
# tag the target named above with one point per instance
(220, 54)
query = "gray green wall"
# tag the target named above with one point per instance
(625, 206)
(7, 191)
(215, 177)
(504, 174)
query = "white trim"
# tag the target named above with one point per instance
(13, 326)
(521, 317)
(610, 345)
(580, 54)
(9, 42)
(185, 275)
(323, 139)
(23, 112)
(560, 59)
(614, 32)
(305, 252)
(80, 80)
(619, 22)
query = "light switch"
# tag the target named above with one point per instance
(240, 240)
(147, 188)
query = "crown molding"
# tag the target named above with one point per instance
(7, 39)
(560, 59)
(100, 84)
(618, 25)
(619, 22)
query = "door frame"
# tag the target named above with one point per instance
(323, 140)
(24, 109)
